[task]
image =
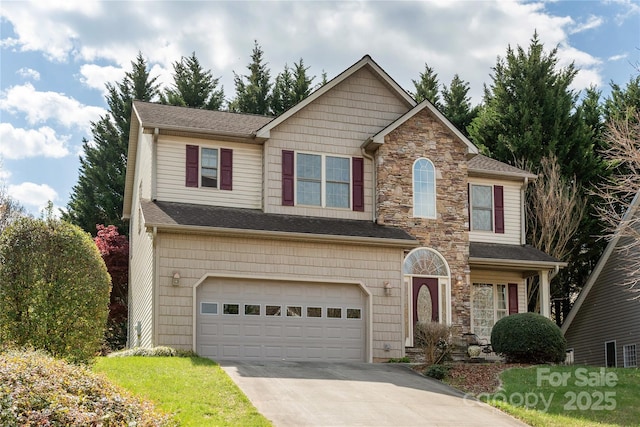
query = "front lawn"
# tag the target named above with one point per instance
(567, 396)
(195, 390)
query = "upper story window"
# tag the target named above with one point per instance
(209, 167)
(322, 180)
(482, 207)
(487, 207)
(424, 189)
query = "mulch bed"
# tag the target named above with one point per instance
(473, 378)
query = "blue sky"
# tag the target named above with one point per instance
(56, 56)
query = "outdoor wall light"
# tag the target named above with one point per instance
(387, 288)
(176, 279)
(459, 278)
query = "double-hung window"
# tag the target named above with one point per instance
(482, 207)
(209, 167)
(323, 180)
(489, 306)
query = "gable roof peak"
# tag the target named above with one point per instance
(365, 61)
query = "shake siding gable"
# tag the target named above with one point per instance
(243, 189)
(337, 123)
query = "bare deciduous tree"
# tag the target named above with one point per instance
(619, 210)
(555, 209)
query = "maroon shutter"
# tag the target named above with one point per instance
(226, 169)
(498, 205)
(287, 178)
(191, 170)
(358, 183)
(513, 298)
(469, 204)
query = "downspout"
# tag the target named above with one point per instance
(523, 221)
(375, 183)
(154, 163)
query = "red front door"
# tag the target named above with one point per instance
(425, 300)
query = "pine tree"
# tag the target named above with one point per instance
(290, 87)
(623, 103)
(427, 87)
(456, 104)
(253, 90)
(98, 196)
(192, 86)
(530, 113)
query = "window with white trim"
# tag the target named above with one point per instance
(481, 207)
(630, 357)
(489, 304)
(209, 167)
(323, 180)
(424, 189)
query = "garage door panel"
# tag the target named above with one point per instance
(309, 335)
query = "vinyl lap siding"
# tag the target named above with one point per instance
(512, 215)
(608, 313)
(337, 123)
(141, 250)
(195, 256)
(247, 175)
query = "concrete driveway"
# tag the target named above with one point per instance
(356, 394)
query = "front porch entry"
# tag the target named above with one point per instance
(428, 285)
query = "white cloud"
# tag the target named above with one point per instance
(42, 107)
(591, 23)
(16, 143)
(96, 76)
(28, 73)
(33, 195)
(618, 57)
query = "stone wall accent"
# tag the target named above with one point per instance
(425, 136)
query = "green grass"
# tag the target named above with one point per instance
(195, 390)
(573, 396)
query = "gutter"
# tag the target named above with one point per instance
(268, 234)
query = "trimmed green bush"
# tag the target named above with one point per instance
(438, 372)
(36, 389)
(528, 338)
(54, 289)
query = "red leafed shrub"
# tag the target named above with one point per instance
(36, 389)
(114, 248)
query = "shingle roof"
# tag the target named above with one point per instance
(498, 251)
(190, 215)
(195, 119)
(483, 164)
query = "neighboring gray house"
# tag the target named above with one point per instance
(603, 327)
(323, 234)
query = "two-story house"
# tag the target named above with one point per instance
(323, 234)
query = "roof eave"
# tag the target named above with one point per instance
(525, 264)
(282, 235)
(514, 176)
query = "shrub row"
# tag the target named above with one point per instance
(36, 389)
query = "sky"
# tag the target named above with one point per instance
(57, 55)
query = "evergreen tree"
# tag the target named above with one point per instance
(427, 86)
(192, 86)
(98, 196)
(456, 104)
(253, 90)
(623, 103)
(282, 97)
(530, 113)
(290, 88)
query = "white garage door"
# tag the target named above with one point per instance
(264, 320)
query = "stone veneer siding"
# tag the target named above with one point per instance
(425, 136)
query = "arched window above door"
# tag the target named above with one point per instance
(425, 262)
